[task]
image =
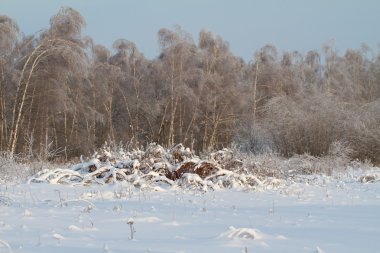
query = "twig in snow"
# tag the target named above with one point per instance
(7, 245)
(130, 222)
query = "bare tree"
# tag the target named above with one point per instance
(8, 33)
(130, 61)
(176, 50)
(55, 51)
(67, 24)
(219, 96)
(8, 38)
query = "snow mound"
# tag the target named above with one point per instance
(74, 228)
(151, 219)
(242, 233)
(58, 237)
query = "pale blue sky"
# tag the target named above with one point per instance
(246, 24)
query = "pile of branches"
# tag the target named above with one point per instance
(157, 166)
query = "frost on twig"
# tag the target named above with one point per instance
(130, 222)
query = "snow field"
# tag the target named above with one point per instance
(333, 215)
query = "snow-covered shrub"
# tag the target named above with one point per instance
(227, 158)
(337, 160)
(303, 165)
(17, 169)
(263, 165)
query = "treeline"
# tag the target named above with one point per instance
(62, 95)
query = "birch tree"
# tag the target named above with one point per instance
(8, 38)
(58, 54)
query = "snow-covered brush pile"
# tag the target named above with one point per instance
(157, 166)
(370, 176)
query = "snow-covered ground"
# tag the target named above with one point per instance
(312, 214)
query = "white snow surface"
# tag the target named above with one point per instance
(312, 213)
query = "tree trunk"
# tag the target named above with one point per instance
(171, 126)
(162, 125)
(254, 93)
(19, 105)
(3, 122)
